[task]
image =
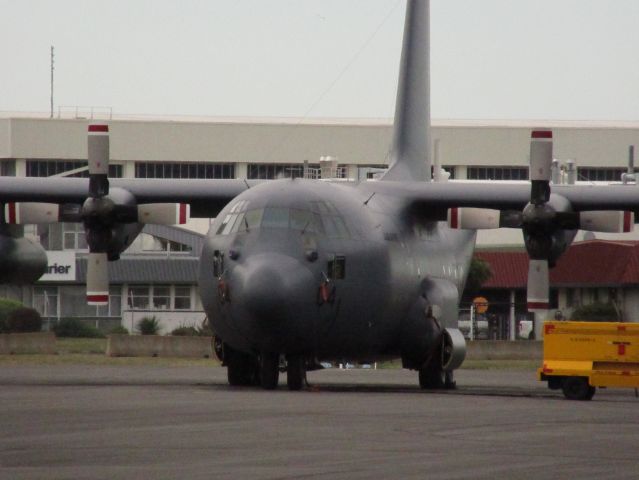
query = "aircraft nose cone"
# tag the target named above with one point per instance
(275, 287)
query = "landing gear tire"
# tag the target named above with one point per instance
(577, 388)
(240, 368)
(295, 372)
(269, 370)
(432, 377)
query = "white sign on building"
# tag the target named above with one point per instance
(61, 267)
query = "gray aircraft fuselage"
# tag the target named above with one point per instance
(325, 270)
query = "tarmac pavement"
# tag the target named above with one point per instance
(96, 422)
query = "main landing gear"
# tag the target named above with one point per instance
(432, 377)
(263, 370)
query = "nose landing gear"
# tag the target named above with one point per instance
(269, 371)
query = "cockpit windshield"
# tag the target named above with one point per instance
(322, 218)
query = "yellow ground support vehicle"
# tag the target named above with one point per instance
(580, 356)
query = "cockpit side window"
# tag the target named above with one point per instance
(227, 219)
(252, 220)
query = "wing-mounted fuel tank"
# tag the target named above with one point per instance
(429, 334)
(21, 260)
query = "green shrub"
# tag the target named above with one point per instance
(119, 330)
(76, 328)
(205, 330)
(6, 307)
(596, 312)
(24, 319)
(149, 326)
(185, 331)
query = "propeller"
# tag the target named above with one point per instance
(101, 213)
(542, 220)
(97, 215)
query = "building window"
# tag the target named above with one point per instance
(570, 297)
(599, 174)
(74, 237)
(73, 303)
(447, 168)
(8, 168)
(184, 170)
(271, 171)
(159, 297)
(182, 298)
(47, 168)
(45, 301)
(497, 173)
(139, 297)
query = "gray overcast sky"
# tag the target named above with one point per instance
(503, 59)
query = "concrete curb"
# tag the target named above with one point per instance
(504, 350)
(24, 343)
(159, 346)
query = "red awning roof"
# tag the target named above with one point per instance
(590, 263)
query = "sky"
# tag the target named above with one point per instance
(490, 59)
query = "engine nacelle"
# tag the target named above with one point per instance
(473, 218)
(21, 260)
(607, 221)
(453, 349)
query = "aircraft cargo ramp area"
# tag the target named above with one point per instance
(83, 421)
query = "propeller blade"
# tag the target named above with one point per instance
(31, 212)
(540, 166)
(538, 285)
(607, 221)
(164, 213)
(97, 279)
(98, 157)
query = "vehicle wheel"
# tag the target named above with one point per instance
(240, 368)
(432, 377)
(450, 383)
(295, 371)
(269, 370)
(577, 388)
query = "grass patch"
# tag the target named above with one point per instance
(91, 351)
(93, 359)
(87, 346)
(524, 365)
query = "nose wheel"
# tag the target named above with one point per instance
(295, 371)
(269, 370)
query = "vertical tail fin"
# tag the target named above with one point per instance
(410, 154)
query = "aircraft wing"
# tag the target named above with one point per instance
(434, 199)
(206, 197)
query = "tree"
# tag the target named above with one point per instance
(478, 274)
(596, 312)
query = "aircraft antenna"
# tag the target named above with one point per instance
(369, 198)
(248, 187)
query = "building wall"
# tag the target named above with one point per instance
(285, 141)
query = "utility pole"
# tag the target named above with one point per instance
(52, 81)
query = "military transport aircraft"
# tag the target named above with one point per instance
(310, 270)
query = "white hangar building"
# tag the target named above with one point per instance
(253, 149)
